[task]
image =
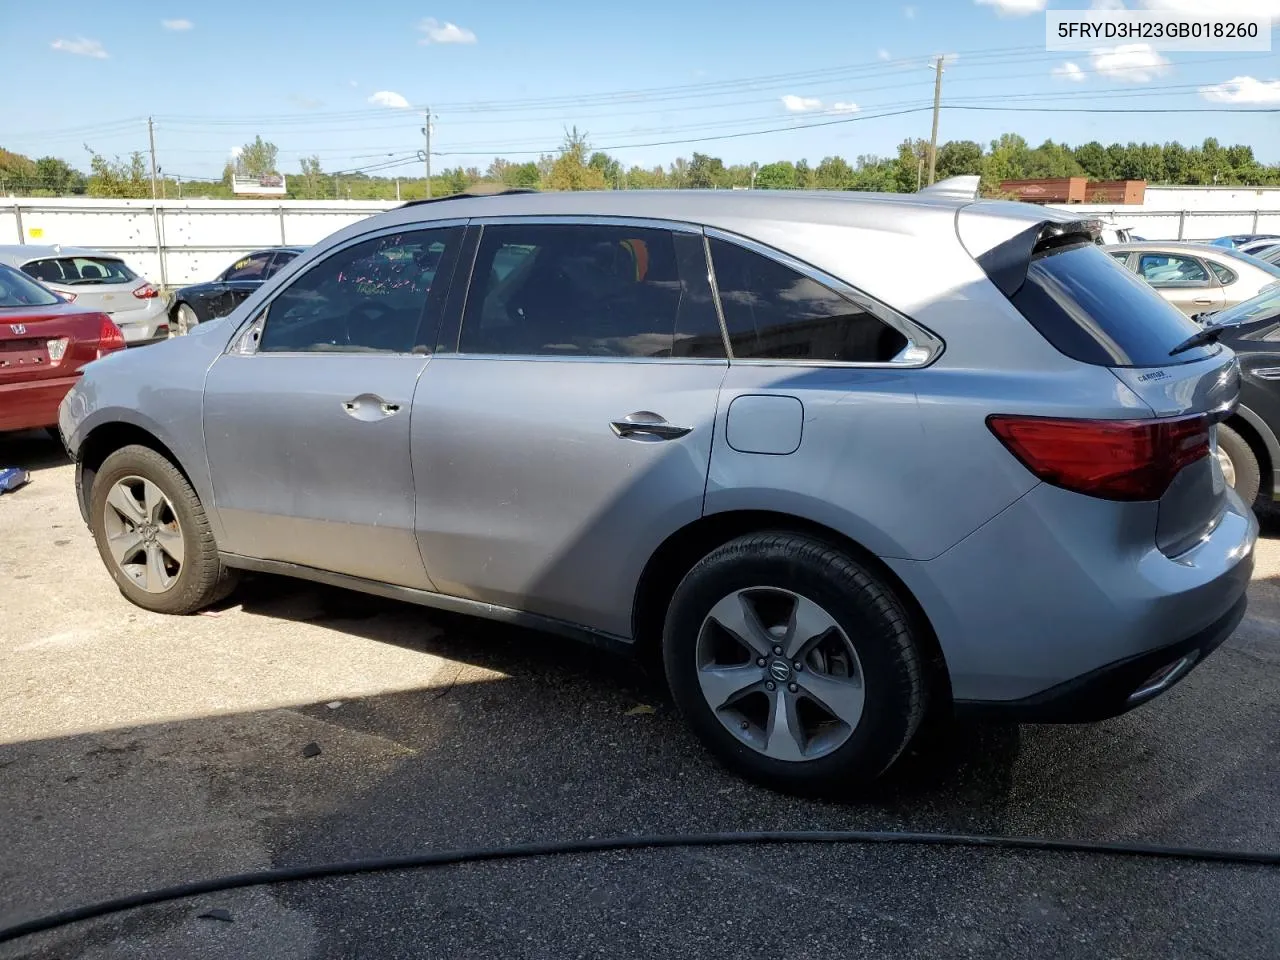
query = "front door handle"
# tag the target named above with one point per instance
(647, 426)
(1203, 300)
(369, 407)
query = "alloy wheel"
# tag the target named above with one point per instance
(142, 534)
(780, 673)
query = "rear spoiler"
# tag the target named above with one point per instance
(961, 188)
(1006, 264)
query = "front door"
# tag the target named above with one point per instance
(566, 430)
(307, 415)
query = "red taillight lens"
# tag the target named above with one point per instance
(146, 292)
(1111, 459)
(109, 337)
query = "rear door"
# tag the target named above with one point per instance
(566, 429)
(1183, 280)
(306, 417)
(1096, 312)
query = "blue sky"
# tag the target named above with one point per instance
(506, 79)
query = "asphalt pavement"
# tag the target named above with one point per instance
(138, 751)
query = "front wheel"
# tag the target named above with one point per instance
(794, 664)
(153, 535)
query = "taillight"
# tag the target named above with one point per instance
(1111, 459)
(110, 338)
(146, 292)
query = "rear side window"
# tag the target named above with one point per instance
(772, 312)
(594, 290)
(1224, 275)
(1160, 269)
(1094, 310)
(80, 270)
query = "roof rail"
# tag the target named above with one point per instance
(476, 190)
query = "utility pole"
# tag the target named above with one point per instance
(426, 154)
(155, 207)
(937, 106)
(919, 171)
(151, 137)
(397, 189)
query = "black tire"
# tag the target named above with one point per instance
(869, 614)
(202, 578)
(1248, 474)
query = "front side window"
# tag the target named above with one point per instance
(253, 267)
(1159, 269)
(593, 290)
(771, 312)
(377, 296)
(80, 270)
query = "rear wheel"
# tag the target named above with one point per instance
(1239, 464)
(153, 535)
(794, 664)
(184, 319)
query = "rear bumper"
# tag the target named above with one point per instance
(1116, 688)
(144, 326)
(26, 406)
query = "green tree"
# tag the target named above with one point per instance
(957, 158)
(1095, 161)
(610, 169)
(571, 171)
(118, 178)
(1052, 160)
(804, 175)
(57, 177)
(706, 172)
(833, 173)
(876, 174)
(779, 175)
(912, 167)
(257, 159)
(314, 182)
(1006, 160)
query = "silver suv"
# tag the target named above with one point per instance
(839, 459)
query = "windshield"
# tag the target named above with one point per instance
(1253, 261)
(1263, 305)
(19, 291)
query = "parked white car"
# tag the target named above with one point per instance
(1197, 277)
(97, 281)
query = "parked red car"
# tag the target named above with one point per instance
(44, 341)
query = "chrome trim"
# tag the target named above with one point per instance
(715, 294)
(438, 601)
(1267, 373)
(918, 336)
(580, 219)
(264, 308)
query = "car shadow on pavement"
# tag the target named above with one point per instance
(32, 450)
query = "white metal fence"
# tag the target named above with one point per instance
(185, 241)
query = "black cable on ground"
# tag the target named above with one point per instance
(552, 848)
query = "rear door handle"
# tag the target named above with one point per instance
(369, 407)
(1203, 300)
(647, 426)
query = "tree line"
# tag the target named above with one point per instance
(576, 166)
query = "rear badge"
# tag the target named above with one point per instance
(18, 329)
(1153, 375)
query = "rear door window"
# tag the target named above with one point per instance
(772, 312)
(1167, 269)
(1094, 310)
(590, 290)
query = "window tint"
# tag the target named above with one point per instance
(80, 270)
(1094, 310)
(1224, 275)
(17, 291)
(772, 312)
(591, 290)
(1121, 257)
(1160, 268)
(282, 259)
(372, 296)
(249, 268)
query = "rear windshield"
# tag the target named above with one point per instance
(17, 291)
(1094, 310)
(73, 271)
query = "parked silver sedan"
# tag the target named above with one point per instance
(742, 435)
(1197, 277)
(97, 281)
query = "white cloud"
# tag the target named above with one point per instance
(1219, 9)
(1131, 62)
(389, 98)
(1243, 90)
(844, 106)
(177, 24)
(433, 31)
(1108, 5)
(796, 104)
(236, 151)
(81, 47)
(909, 12)
(884, 54)
(1013, 8)
(1069, 71)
